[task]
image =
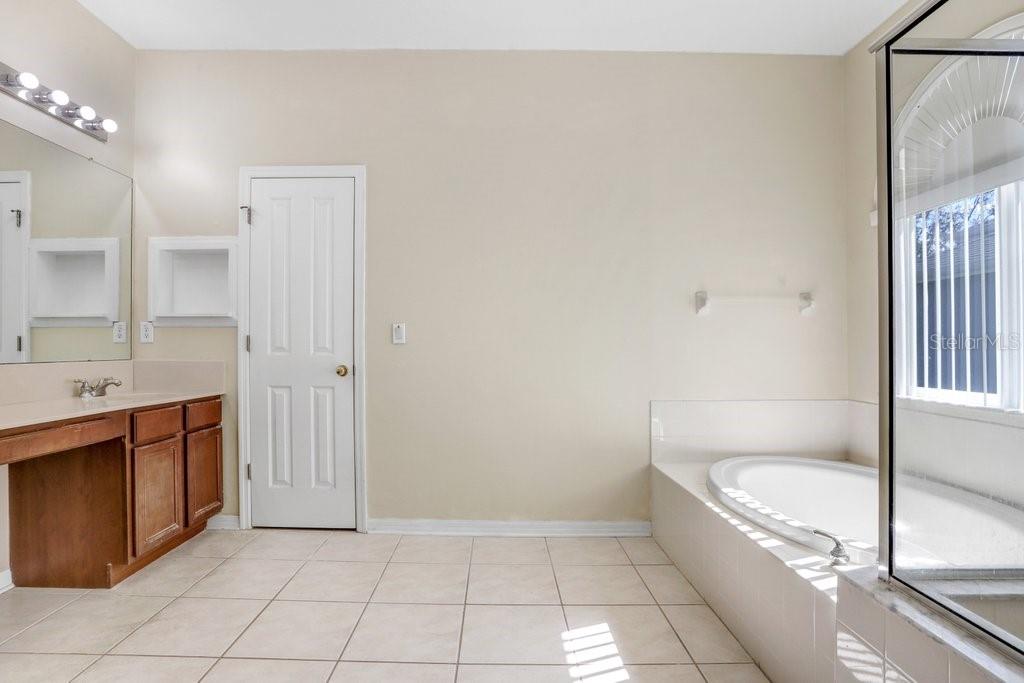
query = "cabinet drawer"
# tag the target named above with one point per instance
(202, 414)
(61, 438)
(153, 425)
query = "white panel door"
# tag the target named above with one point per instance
(12, 273)
(302, 445)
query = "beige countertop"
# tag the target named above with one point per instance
(15, 415)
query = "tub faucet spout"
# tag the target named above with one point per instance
(838, 553)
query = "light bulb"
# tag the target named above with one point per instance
(28, 80)
(106, 125)
(58, 97)
(81, 111)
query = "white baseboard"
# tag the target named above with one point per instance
(471, 527)
(223, 522)
(6, 582)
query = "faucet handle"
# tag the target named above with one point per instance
(838, 554)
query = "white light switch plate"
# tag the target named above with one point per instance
(120, 332)
(146, 333)
(397, 333)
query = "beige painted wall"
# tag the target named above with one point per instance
(541, 221)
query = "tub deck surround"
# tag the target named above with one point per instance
(777, 597)
(885, 634)
(99, 488)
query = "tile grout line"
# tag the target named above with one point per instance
(45, 616)
(173, 598)
(724, 625)
(51, 613)
(561, 601)
(170, 601)
(554, 574)
(661, 609)
(366, 606)
(465, 607)
(269, 602)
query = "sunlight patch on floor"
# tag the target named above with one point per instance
(593, 655)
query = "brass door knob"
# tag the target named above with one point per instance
(342, 370)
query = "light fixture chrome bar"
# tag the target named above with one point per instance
(55, 103)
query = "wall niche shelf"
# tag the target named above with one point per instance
(74, 282)
(192, 281)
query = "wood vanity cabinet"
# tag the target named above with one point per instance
(94, 500)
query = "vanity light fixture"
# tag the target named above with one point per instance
(57, 103)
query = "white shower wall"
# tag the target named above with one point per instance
(708, 431)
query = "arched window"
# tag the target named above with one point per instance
(958, 169)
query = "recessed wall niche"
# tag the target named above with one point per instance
(192, 281)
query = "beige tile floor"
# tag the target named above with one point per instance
(278, 605)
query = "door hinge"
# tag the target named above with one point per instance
(248, 471)
(17, 217)
(248, 343)
(19, 343)
(248, 213)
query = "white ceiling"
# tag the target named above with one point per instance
(826, 27)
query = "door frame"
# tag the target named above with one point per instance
(25, 180)
(245, 177)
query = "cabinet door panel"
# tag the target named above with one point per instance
(157, 493)
(204, 471)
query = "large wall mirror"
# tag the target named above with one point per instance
(65, 254)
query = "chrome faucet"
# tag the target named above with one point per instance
(87, 390)
(838, 553)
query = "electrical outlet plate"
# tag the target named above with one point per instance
(146, 333)
(120, 331)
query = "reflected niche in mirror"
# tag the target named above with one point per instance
(65, 254)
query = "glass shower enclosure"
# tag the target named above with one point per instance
(951, 173)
